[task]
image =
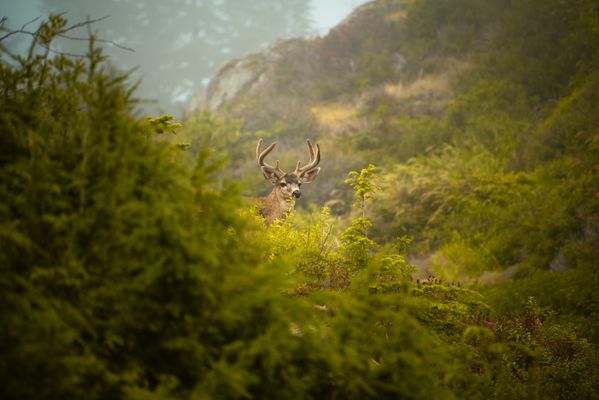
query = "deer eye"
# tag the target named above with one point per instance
(283, 184)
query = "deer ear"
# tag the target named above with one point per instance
(271, 174)
(310, 175)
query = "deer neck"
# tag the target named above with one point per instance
(283, 204)
(278, 206)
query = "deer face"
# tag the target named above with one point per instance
(289, 184)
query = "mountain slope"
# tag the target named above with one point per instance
(481, 118)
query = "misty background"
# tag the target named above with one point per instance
(176, 46)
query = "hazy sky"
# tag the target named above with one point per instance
(170, 86)
(326, 13)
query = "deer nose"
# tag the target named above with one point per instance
(297, 194)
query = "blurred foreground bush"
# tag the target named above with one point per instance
(125, 273)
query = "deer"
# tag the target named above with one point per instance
(287, 186)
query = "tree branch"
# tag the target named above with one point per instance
(99, 41)
(62, 33)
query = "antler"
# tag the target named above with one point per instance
(260, 155)
(314, 160)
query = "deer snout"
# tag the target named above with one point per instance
(296, 193)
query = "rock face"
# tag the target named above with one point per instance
(234, 78)
(248, 74)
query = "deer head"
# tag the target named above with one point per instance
(287, 186)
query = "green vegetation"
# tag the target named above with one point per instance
(131, 267)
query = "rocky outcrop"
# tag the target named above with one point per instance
(234, 78)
